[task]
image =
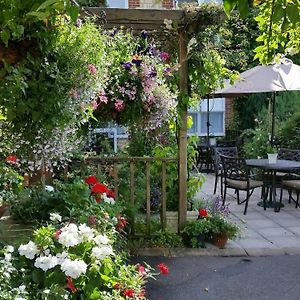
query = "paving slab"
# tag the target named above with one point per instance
(274, 232)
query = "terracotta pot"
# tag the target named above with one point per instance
(219, 239)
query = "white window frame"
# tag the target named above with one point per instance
(202, 109)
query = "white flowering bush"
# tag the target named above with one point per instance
(70, 261)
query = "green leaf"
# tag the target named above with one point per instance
(47, 4)
(278, 13)
(39, 15)
(105, 277)
(73, 12)
(37, 275)
(243, 8)
(292, 11)
(5, 35)
(285, 24)
(229, 5)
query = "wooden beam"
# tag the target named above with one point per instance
(182, 142)
(138, 19)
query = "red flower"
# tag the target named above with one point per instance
(163, 269)
(91, 180)
(141, 270)
(110, 193)
(71, 285)
(122, 222)
(129, 293)
(92, 220)
(57, 233)
(99, 188)
(11, 159)
(203, 212)
(117, 286)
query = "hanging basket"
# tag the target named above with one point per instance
(219, 239)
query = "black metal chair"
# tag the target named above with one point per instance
(225, 151)
(237, 176)
(226, 144)
(291, 185)
(204, 158)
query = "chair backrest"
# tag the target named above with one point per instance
(223, 151)
(289, 154)
(226, 143)
(235, 168)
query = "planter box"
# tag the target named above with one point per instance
(172, 219)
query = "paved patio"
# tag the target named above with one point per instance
(265, 232)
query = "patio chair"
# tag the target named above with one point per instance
(225, 151)
(291, 184)
(237, 176)
(204, 158)
(226, 143)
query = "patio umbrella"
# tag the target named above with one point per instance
(282, 76)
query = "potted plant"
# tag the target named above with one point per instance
(222, 229)
(196, 232)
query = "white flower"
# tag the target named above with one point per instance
(74, 268)
(108, 199)
(49, 188)
(103, 251)
(86, 232)
(46, 262)
(29, 250)
(46, 291)
(9, 249)
(61, 257)
(7, 257)
(168, 23)
(69, 236)
(101, 240)
(55, 217)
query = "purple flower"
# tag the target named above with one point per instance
(119, 105)
(164, 55)
(144, 34)
(152, 72)
(136, 60)
(78, 23)
(127, 65)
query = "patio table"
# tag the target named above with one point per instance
(281, 165)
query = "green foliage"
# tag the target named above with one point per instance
(289, 133)
(219, 224)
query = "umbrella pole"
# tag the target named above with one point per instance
(273, 119)
(207, 116)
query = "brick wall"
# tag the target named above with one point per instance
(168, 4)
(228, 111)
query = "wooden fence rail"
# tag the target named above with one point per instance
(98, 163)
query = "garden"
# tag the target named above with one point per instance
(61, 76)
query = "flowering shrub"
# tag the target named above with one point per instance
(69, 260)
(136, 90)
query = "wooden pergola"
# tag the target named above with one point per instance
(153, 19)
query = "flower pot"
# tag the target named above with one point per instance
(219, 239)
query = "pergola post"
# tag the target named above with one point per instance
(182, 140)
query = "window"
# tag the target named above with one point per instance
(117, 3)
(216, 118)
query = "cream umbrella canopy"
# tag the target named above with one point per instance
(277, 77)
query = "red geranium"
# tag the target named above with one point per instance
(110, 193)
(122, 222)
(11, 159)
(163, 269)
(91, 180)
(71, 285)
(129, 293)
(99, 188)
(203, 212)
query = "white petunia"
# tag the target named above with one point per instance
(69, 236)
(29, 250)
(86, 232)
(101, 240)
(46, 262)
(55, 217)
(103, 251)
(61, 257)
(74, 268)
(49, 188)
(108, 199)
(9, 248)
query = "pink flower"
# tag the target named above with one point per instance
(119, 105)
(94, 104)
(73, 93)
(141, 269)
(92, 69)
(164, 55)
